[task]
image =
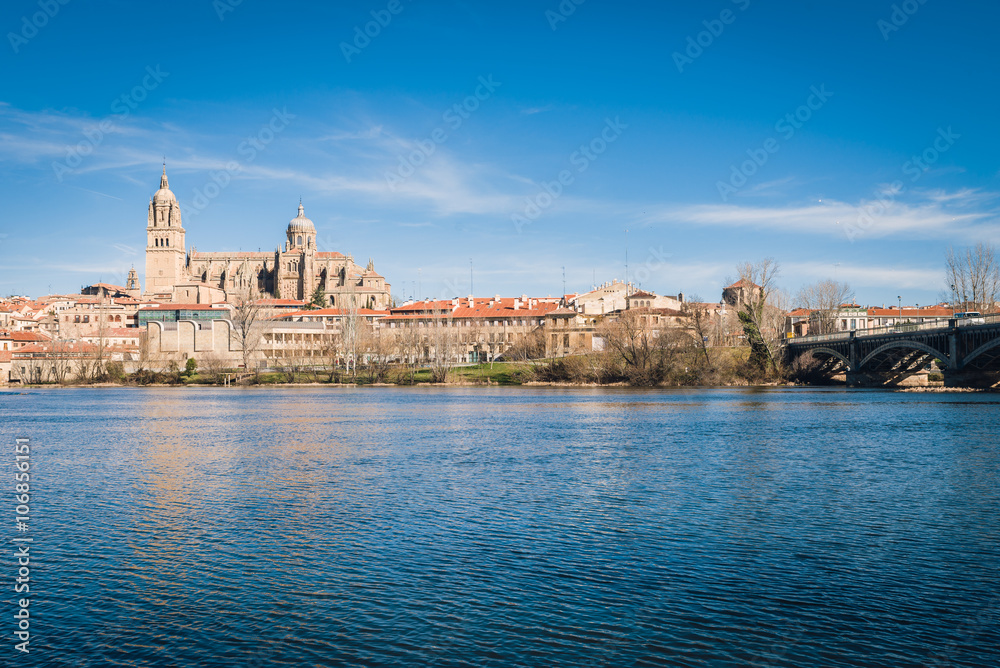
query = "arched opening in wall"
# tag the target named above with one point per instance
(298, 240)
(204, 277)
(168, 242)
(333, 300)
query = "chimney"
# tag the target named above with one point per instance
(517, 303)
(472, 301)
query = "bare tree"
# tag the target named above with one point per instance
(331, 349)
(350, 328)
(629, 338)
(410, 345)
(702, 326)
(973, 276)
(824, 300)
(251, 319)
(214, 365)
(526, 346)
(443, 342)
(380, 348)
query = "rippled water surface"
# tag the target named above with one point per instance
(510, 527)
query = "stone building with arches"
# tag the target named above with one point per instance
(175, 273)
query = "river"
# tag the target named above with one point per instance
(506, 527)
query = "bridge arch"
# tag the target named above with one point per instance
(989, 345)
(832, 353)
(909, 345)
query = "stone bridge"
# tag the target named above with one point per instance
(967, 354)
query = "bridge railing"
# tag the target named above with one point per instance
(901, 328)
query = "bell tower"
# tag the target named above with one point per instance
(165, 252)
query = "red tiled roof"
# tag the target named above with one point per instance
(504, 308)
(28, 336)
(50, 347)
(119, 332)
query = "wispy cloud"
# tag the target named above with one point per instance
(530, 111)
(935, 215)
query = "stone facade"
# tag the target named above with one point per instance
(292, 272)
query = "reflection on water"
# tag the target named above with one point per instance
(513, 527)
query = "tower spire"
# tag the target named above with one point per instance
(163, 179)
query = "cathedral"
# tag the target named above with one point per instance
(175, 274)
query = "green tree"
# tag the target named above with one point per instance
(318, 299)
(191, 368)
(760, 317)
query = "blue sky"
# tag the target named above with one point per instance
(715, 132)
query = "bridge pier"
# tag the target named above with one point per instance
(970, 378)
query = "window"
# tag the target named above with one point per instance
(298, 241)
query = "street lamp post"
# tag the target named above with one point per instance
(899, 298)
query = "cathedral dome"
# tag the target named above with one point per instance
(301, 224)
(164, 194)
